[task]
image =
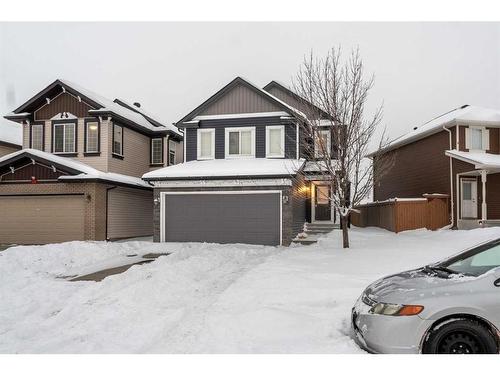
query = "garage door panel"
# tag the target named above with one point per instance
(41, 219)
(223, 218)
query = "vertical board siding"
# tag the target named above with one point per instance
(191, 140)
(62, 103)
(130, 213)
(241, 99)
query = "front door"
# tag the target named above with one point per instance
(469, 198)
(322, 205)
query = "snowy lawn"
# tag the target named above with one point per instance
(203, 297)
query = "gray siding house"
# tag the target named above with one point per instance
(245, 177)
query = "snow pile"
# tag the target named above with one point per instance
(11, 132)
(204, 297)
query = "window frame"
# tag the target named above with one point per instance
(268, 138)
(485, 139)
(86, 152)
(113, 153)
(171, 150)
(152, 148)
(42, 124)
(239, 129)
(328, 143)
(198, 146)
(56, 123)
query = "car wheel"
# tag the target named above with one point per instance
(461, 336)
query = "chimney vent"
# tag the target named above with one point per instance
(137, 104)
(415, 128)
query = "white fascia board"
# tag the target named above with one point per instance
(223, 183)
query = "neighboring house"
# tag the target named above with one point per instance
(457, 154)
(77, 176)
(245, 177)
(11, 137)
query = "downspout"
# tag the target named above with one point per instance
(168, 150)
(451, 178)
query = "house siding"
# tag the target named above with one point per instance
(260, 125)
(6, 149)
(418, 168)
(63, 103)
(241, 99)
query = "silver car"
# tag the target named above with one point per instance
(450, 307)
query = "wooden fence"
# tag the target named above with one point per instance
(431, 212)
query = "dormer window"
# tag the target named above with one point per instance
(477, 138)
(64, 138)
(240, 142)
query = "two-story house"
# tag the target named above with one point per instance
(245, 178)
(78, 174)
(456, 154)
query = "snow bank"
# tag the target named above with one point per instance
(11, 132)
(205, 298)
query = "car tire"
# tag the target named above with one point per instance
(460, 336)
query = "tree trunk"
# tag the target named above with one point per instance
(345, 233)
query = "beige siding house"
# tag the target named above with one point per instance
(77, 176)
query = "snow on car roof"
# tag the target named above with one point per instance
(228, 168)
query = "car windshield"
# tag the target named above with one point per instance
(475, 262)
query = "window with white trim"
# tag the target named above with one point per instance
(64, 138)
(171, 152)
(37, 136)
(117, 140)
(92, 136)
(477, 138)
(322, 143)
(157, 151)
(275, 141)
(240, 142)
(206, 144)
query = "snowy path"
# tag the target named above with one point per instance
(204, 297)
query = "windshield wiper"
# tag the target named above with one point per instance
(442, 269)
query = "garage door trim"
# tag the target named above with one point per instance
(226, 192)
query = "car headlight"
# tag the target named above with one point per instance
(395, 309)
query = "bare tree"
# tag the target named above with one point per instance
(337, 134)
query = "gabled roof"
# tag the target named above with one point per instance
(241, 81)
(11, 133)
(101, 106)
(293, 94)
(465, 114)
(79, 171)
(226, 168)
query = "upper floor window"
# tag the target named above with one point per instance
(157, 151)
(477, 138)
(117, 140)
(275, 141)
(37, 136)
(206, 144)
(171, 153)
(322, 143)
(64, 138)
(92, 137)
(240, 142)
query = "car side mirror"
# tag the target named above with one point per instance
(496, 277)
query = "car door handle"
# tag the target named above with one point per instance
(497, 282)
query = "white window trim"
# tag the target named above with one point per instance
(63, 124)
(87, 137)
(171, 150)
(33, 126)
(161, 150)
(113, 140)
(485, 139)
(282, 142)
(198, 141)
(328, 145)
(252, 145)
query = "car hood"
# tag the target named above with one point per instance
(413, 285)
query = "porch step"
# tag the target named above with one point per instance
(315, 230)
(305, 241)
(322, 226)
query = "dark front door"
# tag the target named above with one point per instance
(322, 205)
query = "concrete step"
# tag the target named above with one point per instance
(305, 241)
(319, 231)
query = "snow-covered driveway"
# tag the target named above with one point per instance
(203, 297)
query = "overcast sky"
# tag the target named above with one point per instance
(421, 69)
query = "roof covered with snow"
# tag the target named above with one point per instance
(481, 160)
(227, 168)
(86, 171)
(11, 132)
(464, 114)
(105, 106)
